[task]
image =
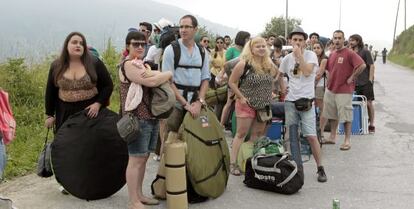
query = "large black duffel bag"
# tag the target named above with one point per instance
(276, 173)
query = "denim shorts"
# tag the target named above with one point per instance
(307, 119)
(147, 139)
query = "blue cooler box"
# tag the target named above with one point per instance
(274, 132)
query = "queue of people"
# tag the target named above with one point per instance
(78, 81)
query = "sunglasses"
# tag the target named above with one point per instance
(206, 41)
(219, 42)
(295, 70)
(138, 44)
(144, 30)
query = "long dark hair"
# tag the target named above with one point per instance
(62, 63)
(216, 48)
(358, 39)
(322, 55)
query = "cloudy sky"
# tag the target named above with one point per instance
(372, 19)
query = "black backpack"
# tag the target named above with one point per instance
(168, 35)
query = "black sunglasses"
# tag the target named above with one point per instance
(138, 44)
(206, 41)
(295, 70)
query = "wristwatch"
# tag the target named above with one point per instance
(202, 101)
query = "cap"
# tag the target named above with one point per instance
(162, 23)
(298, 30)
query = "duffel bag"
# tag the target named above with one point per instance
(276, 173)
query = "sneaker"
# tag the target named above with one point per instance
(63, 190)
(321, 174)
(371, 129)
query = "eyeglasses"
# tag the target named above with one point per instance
(144, 30)
(138, 44)
(295, 70)
(186, 26)
(219, 42)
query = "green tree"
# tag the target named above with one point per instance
(276, 26)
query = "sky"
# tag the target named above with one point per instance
(374, 20)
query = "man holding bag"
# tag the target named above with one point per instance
(301, 66)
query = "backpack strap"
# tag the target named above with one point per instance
(177, 55)
(123, 70)
(246, 71)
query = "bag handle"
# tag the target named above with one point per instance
(255, 167)
(45, 146)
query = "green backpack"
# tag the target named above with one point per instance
(264, 146)
(207, 153)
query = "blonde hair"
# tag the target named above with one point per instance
(261, 65)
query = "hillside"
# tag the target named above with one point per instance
(37, 28)
(403, 50)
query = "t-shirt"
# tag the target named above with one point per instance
(363, 78)
(154, 54)
(232, 53)
(341, 64)
(300, 86)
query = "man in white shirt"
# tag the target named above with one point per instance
(301, 66)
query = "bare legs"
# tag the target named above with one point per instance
(135, 176)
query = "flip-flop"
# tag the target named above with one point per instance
(151, 201)
(345, 147)
(328, 142)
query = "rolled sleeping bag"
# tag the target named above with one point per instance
(175, 172)
(158, 188)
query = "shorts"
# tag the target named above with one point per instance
(147, 139)
(306, 119)
(319, 92)
(337, 107)
(367, 90)
(244, 110)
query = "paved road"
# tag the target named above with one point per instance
(378, 172)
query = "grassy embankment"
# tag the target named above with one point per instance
(403, 51)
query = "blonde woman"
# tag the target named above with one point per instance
(253, 93)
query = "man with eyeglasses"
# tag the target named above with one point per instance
(190, 75)
(301, 66)
(146, 28)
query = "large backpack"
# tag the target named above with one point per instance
(168, 35)
(162, 98)
(7, 121)
(207, 153)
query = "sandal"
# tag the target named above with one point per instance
(345, 147)
(234, 169)
(328, 142)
